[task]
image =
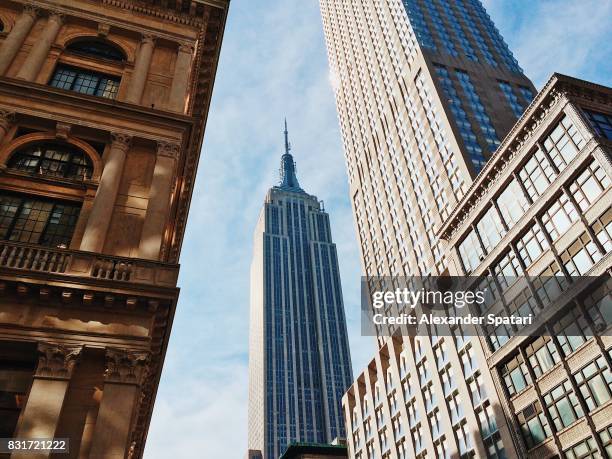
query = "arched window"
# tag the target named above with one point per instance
(97, 49)
(1, 26)
(54, 159)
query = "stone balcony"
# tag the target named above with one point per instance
(16, 256)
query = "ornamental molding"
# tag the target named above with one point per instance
(126, 367)
(7, 116)
(121, 140)
(31, 9)
(168, 149)
(56, 361)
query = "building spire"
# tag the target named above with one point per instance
(289, 180)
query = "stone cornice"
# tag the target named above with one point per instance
(558, 87)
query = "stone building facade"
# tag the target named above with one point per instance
(103, 105)
(537, 225)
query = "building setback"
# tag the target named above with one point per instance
(299, 360)
(544, 204)
(102, 113)
(425, 92)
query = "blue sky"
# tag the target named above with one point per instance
(274, 64)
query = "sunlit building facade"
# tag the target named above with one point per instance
(538, 221)
(103, 106)
(425, 92)
(299, 359)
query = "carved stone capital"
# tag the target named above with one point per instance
(56, 361)
(169, 149)
(103, 29)
(186, 48)
(57, 16)
(6, 118)
(121, 141)
(32, 10)
(126, 367)
(148, 38)
(62, 130)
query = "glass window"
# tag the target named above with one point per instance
(537, 174)
(471, 252)
(601, 122)
(85, 82)
(486, 420)
(563, 143)
(563, 405)
(602, 227)
(512, 203)
(586, 449)
(589, 185)
(579, 257)
(490, 229)
(532, 244)
(515, 375)
(595, 383)
(511, 98)
(606, 438)
(572, 330)
(15, 381)
(97, 49)
(58, 160)
(599, 305)
(550, 283)
(558, 218)
(534, 425)
(542, 355)
(507, 269)
(37, 221)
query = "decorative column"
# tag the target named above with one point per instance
(43, 407)
(182, 68)
(125, 373)
(40, 51)
(104, 202)
(141, 69)
(159, 201)
(14, 40)
(6, 119)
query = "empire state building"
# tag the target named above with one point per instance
(299, 358)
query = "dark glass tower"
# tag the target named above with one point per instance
(299, 358)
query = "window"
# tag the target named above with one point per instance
(579, 257)
(511, 98)
(601, 122)
(602, 227)
(563, 405)
(464, 438)
(507, 269)
(542, 355)
(486, 420)
(531, 245)
(490, 229)
(471, 252)
(595, 383)
(495, 447)
(512, 203)
(563, 143)
(55, 159)
(435, 423)
(38, 221)
(476, 387)
(559, 217)
(589, 185)
(572, 330)
(599, 305)
(534, 425)
(85, 82)
(537, 174)
(515, 375)
(606, 438)
(97, 49)
(586, 449)
(15, 381)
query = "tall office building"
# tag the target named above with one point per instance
(103, 105)
(299, 360)
(425, 91)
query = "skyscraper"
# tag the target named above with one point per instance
(425, 91)
(299, 360)
(103, 106)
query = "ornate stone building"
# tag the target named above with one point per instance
(103, 105)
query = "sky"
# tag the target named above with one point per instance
(274, 65)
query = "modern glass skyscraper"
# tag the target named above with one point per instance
(299, 359)
(426, 90)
